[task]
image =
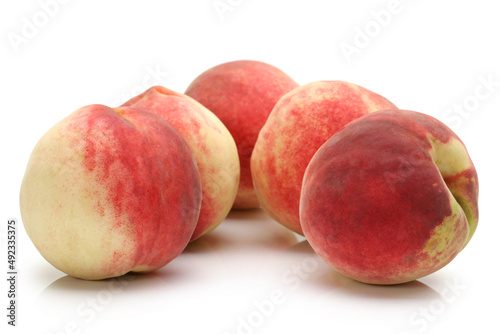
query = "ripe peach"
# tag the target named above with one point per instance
(299, 124)
(390, 198)
(109, 191)
(211, 143)
(242, 94)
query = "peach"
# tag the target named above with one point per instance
(242, 94)
(390, 198)
(299, 124)
(211, 143)
(110, 191)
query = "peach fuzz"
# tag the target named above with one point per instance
(212, 146)
(299, 124)
(242, 94)
(110, 191)
(390, 198)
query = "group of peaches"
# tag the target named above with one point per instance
(383, 195)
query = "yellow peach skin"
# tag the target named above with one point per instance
(211, 143)
(299, 124)
(242, 94)
(390, 198)
(109, 191)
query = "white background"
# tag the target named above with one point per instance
(429, 56)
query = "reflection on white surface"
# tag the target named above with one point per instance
(251, 275)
